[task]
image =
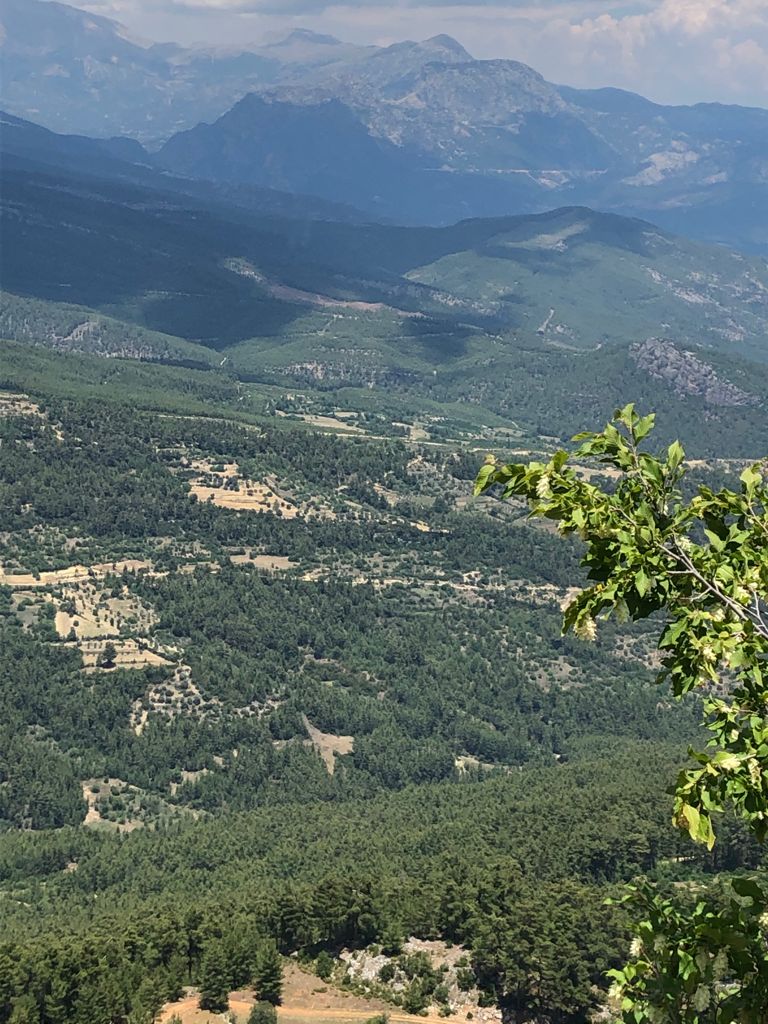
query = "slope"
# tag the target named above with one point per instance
(66, 328)
(215, 274)
(28, 147)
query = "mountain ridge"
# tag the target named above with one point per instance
(493, 136)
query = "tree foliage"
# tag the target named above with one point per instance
(268, 974)
(214, 980)
(698, 564)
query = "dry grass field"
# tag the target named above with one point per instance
(72, 574)
(130, 654)
(95, 790)
(98, 614)
(272, 563)
(306, 1000)
(333, 424)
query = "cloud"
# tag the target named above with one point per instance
(682, 50)
(670, 50)
(320, 6)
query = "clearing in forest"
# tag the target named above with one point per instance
(129, 654)
(251, 496)
(72, 574)
(92, 612)
(272, 563)
(327, 745)
(222, 484)
(306, 1000)
(331, 423)
(96, 790)
(225, 487)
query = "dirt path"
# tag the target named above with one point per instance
(303, 1014)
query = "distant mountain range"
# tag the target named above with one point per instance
(109, 256)
(417, 132)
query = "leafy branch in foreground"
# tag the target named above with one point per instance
(703, 565)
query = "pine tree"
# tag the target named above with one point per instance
(324, 965)
(263, 1013)
(58, 1002)
(151, 996)
(214, 981)
(24, 1011)
(268, 974)
(8, 984)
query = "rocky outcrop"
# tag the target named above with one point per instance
(686, 373)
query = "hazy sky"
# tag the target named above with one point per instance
(669, 50)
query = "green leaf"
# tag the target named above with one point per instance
(749, 889)
(717, 543)
(675, 455)
(483, 480)
(692, 819)
(644, 426)
(751, 477)
(642, 582)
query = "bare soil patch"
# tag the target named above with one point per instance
(327, 422)
(391, 497)
(415, 432)
(18, 405)
(95, 790)
(97, 614)
(306, 1000)
(272, 563)
(129, 654)
(72, 574)
(250, 496)
(327, 745)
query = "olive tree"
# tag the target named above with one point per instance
(700, 565)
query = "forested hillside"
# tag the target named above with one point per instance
(215, 603)
(538, 321)
(335, 686)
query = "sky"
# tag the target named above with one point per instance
(673, 51)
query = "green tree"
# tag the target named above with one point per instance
(268, 974)
(108, 655)
(24, 1011)
(150, 996)
(701, 565)
(324, 965)
(532, 952)
(263, 1013)
(58, 1001)
(214, 980)
(9, 983)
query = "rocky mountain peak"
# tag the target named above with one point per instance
(305, 35)
(449, 45)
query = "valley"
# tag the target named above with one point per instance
(339, 682)
(308, 652)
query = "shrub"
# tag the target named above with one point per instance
(387, 972)
(324, 965)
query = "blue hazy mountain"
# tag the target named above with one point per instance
(418, 132)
